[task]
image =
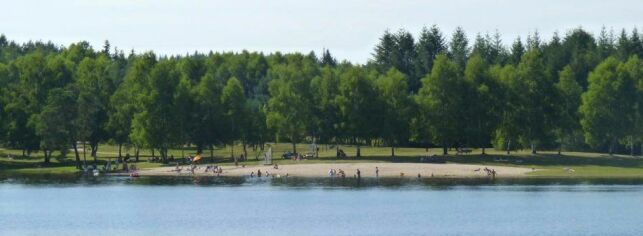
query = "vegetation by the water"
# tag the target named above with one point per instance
(576, 92)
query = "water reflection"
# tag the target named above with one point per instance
(299, 182)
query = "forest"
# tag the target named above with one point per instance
(574, 92)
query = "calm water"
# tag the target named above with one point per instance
(207, 206)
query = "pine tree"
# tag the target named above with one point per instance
(383, 55)
(459, 48)
(430, 44)
(327, 59)
(517, 50)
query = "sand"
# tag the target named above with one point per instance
(367, 170)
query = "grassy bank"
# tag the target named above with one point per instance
(549, 164)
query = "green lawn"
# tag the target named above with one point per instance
(549, 163)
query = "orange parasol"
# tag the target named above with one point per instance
(197, 158)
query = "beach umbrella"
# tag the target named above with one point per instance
(197, 158)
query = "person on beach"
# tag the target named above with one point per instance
(377, 172)
(330, 172)
(258, 173)
(359, 174)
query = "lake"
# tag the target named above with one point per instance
(46, 205)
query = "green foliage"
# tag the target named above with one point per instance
(430, 44)
(539, 100)
(395, 107)
(208, 128)
(484, 97)
(155, 125)
(459, 48)
(539, 94)
(358, 106)
(570, 99)
(441, 102)
(95, 83)
(55, 123)
(289, 108)
(609, 107)
(235, 110)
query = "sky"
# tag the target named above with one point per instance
(349, 29)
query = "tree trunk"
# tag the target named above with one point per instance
(560, 148)
(245, 152)
(533, 148)
(392, 151)
(94, 155)
(136, 153)
(316, 151)
(445, 149)
(199, 149)
(294, 147)
(212, 152)
(359, 151)
(153, 153)
(509, 147)
(84, 153)
(611, 148)
(631, 146)
(163, 152)
(94, 146)
(47, 156)
(483, 151)
(120, 148)
(77, 155)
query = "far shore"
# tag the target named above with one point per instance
(366, 169)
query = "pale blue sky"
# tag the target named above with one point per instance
(349, 29)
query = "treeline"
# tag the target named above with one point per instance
(576, 92)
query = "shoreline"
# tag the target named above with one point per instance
(387, 170)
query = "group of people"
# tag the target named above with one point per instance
(333, 172)
(214, 169)
(490, 172)
(358, 173)
(267, 174)
(342, 174)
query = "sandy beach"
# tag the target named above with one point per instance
(367, 170)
